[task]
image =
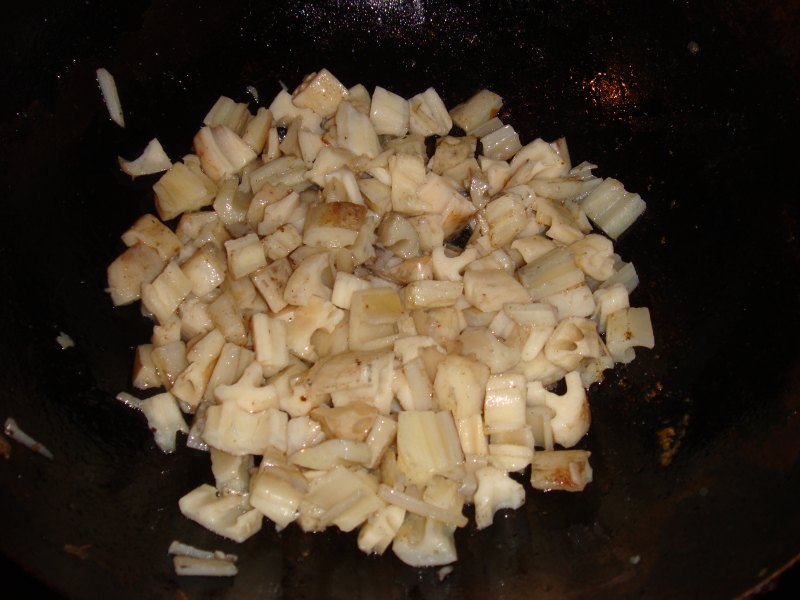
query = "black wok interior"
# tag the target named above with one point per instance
(707, 138)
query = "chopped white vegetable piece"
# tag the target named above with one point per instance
(181, 549)
(567, 470)
(428, 114)
(228, 516)
(389, 113)
(627, 328)
(206, 567)
(152, 160)
(164, 419)
(422, 542)
(320, 92)
(612, 208)
(496, 491)
(476, 111)
(108, 88)
(12, 430)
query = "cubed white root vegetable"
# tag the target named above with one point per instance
(358, 96)
(594, 256)
(144, 371)
(381, 436)
(137, 266)
(505, 217)
(345, 187)
(284, 111)
(194, 227)
(378, 532)
(408, 175)
(206, 567)
(627, 328)
(422, 542)
(310, 279)
(328, 160)
(486, 348)
(576, 301)
(501, 144)
(485, 129)
(320, 92)
(571, 419)
(442, 324)
(170, 361)
(489, 290)
(333, 224)
(167, 333)
(537, 320)
(286, 170)
(416, 268)
(573, 340)
(563, 226)
(376, 194)
(573, 188)
(194, 317)
(504, 402)
(476, 111)
(429, 231)
(166, 292)
(227, 112)
(592, 370)
(206, 269)
(551, 273)
(539, 418)
(339, 497)
(496, 491)
(303, 321)
(248, 392)
(344, 286)
(460, 385)
(428, 445)
(397, 234)
(231, 472)
(234, 430)
(450, 152)
(472, 435)
(350, 422)
(413, 387)
(533, 247)
(182, 189)
(190, 385)
(270, 342)
(439, 195)
(281, 242)
(257, 131)
(355, 132)
(510, 457)
(230, 516)
(245, 255)
(274, 496)
(431, 294)
(612, 208)
(177, 548)
(537, 159)
(609, 300)
(428, 114)
(624, 273)
(389, 113)
(222, 153)
(164, 419)
(271, 282)
(330, 453)
(449, 268)
(374, 313)
(567, 470)
(227, 317)
(408, 348)
(379, 392)
(302, 432)
(152, 160)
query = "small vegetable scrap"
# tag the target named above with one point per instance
(341, 358)
(189, 560)
(108, 88)
(13, 431)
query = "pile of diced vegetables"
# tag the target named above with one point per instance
(343, 361)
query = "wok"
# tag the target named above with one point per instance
(695, 444)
